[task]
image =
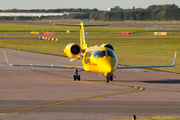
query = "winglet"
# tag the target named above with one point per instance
(6, 57)
(174, 62)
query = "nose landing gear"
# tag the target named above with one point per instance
(109, 77)
(76, 76)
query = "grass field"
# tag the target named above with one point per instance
(92, 36)
(27, 27)
(128, 52)
(22, 27)
(133, 23)
(20, 31)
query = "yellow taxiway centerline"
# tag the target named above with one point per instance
(69, 101)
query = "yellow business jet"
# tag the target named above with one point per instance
(99, 59)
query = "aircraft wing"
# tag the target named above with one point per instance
(48, 66)
(156, 66)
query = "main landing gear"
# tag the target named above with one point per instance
(76, 76)
(109, 76)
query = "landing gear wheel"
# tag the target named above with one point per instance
(108, 78)
(76, 76)
(79, 77)
(111, 78)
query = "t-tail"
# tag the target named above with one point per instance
(82, 36)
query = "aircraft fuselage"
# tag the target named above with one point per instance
(101, 60)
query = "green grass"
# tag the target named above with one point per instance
(94, 35)
(89, 35)
(23, 27)
(132, 52)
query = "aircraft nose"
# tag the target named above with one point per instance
(109, 67)
(106, 65)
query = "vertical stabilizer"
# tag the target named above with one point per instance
(82, 36)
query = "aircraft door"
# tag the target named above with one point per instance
(87, 57)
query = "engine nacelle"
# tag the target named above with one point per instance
(72, 50)
(107, 45)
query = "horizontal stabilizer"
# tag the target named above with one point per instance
(85, 25)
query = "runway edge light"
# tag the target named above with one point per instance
(134, 117)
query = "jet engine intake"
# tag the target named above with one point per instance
(72, 50)
(107, 45)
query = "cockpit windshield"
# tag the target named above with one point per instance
(100, 54)
(111, 53)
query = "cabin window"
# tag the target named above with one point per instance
(111, 53)
(100, 54)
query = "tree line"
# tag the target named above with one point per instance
(152, 13)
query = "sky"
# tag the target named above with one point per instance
(91, 4)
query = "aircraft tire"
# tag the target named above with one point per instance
(108, 77)
(74, 78)
(79, 77)
(111, 78)
(107, 80)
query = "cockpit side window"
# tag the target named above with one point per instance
(111, 53)
(100, 54)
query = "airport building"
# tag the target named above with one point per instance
(114, 8)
